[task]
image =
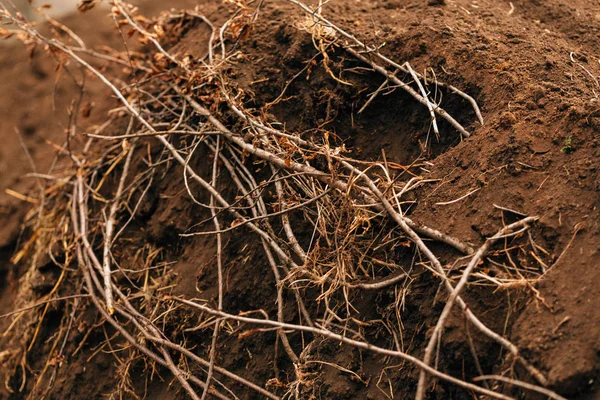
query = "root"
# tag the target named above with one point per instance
(355, 211)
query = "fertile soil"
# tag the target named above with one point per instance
(532, 66)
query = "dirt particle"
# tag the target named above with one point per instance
(507, 120)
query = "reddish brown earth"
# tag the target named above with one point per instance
(532, 71)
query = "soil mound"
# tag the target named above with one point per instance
(374, 199)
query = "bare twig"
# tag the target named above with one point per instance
(510, 229)
(344, 339)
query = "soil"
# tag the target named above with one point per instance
(532, 66)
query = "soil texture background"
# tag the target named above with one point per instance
(533, 67)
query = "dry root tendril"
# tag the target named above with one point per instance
(353, 208)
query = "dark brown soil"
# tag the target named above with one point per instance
(532, 71)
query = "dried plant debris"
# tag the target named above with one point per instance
(323, 228)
